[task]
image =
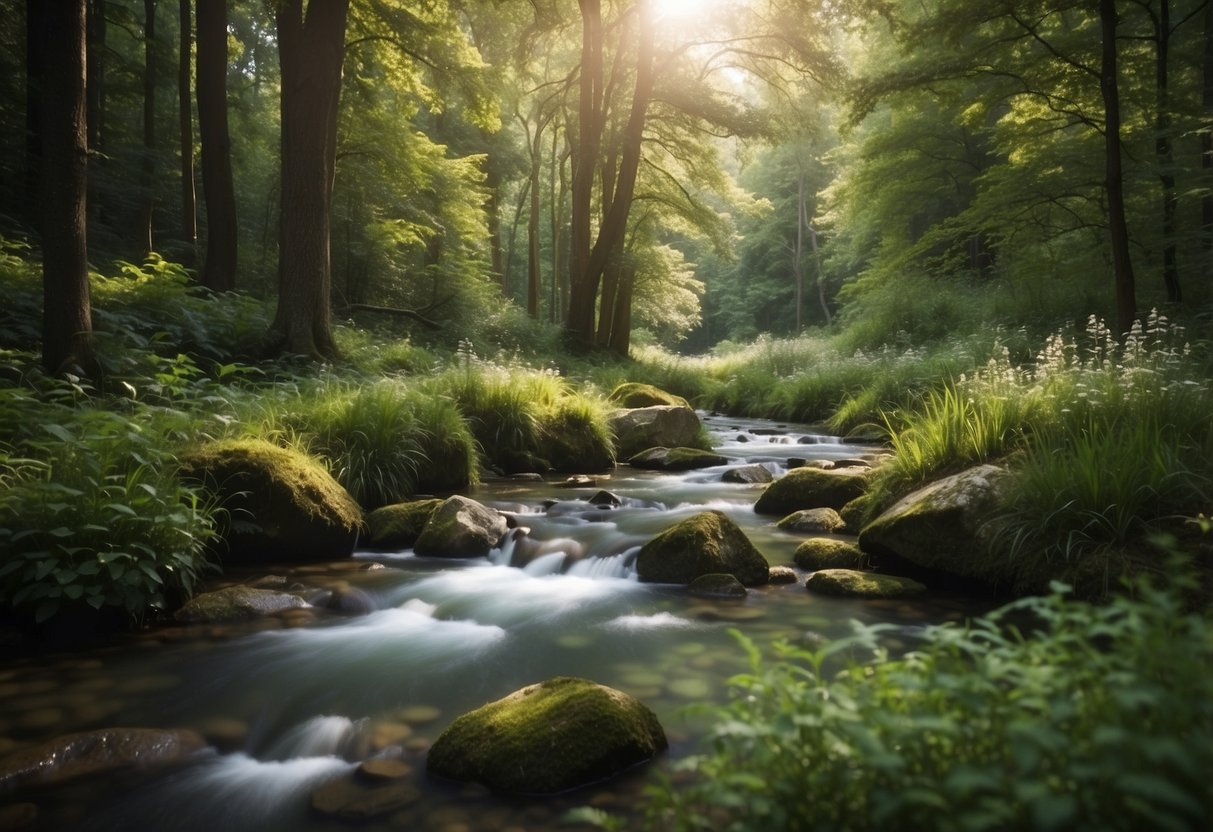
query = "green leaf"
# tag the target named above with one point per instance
(45, 610)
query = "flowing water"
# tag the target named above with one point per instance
(292, 702)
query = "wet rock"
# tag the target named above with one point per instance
(360, 800)
(579, 481)
(17, 816)
(942, 526)
(76, 755)
(526, 477)
(716, 586)
(813, 521)
(350, 600)
(810, 488)
(828, 553)
(236, 603)
(280, 504)
(706, 543)
(748, 475)
(605, 498)
(633, 394)
(548, 738)
(741, 437)
(851, 463)
(853, 513)
(782, 575)
(398, 526)
(653, 427)
(675, 459)
(461, 528)
(853, 584)
(380, 769)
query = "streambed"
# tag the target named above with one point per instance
(292, 702)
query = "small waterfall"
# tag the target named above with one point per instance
(614, 566)
(322, 736)
(550, 564)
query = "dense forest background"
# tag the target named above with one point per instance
(907, 170)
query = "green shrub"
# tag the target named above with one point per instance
(1101, 718)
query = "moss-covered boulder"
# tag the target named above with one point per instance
(548, 738)
(944, 527)
(811, 488)
(855, 513)
(828, 553)
(636, 394)
(704, 544)
(782, 575)
(461, 528)
(851, 583)
(662, 426)
(748, 475)
(398, 526)
(675, 459)
(236, 603)
(716, 586)
(813, 521)
(281, 505)
(72, 756)
(575, 437)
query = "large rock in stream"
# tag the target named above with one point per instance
(803, 488)
(280, 504)
(660, 426)
(548, 738)
(675, 459)
(636, 394)
(705, 544)
(399, 525)
(944, 527)
(236, 603)
(851, 583)
(93, 752)
(461, 528)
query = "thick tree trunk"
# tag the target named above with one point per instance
(150, 69)
(1162, 149)
(620, 341)
(219, 267)
(35, 68)
(185, 118)
(1206, 146)
(311, 50)
(67, 313)
(583, 283)
(95, 84)
(1122, 263)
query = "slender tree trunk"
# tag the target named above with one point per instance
(1126, 301)
(35, 69)
(189, 198)
(620, 341)
(311, 49)
(150, 69)
(821, 283)
(583, 283)
(533, 269)
(797, 251)
(492, 212)
(67, 313)
(1206, 146)
(1162, 149)
(219, 267)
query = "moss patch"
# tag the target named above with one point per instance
(575, 437)
(828, 553)
(281, 504)
(398, 526)
(548, 738)
(676, 459)
(812, 521)
(850, 583)
(636, 394)
(803, 488)
(701, 545)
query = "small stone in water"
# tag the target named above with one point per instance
(389, 733)
(691, 648)
(384, 769)
(783, 575)
(419, 714)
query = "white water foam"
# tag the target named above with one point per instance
(658, 621)
(320, 736)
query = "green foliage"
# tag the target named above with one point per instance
(92, 511)
(1094, 718)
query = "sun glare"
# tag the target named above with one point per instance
(674, 10)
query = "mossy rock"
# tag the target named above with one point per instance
(851, 583)
(716, 586)
(461, 528)
(636, 394)
(827, 553)
(811, 488)
(813, 521)
(748, 475)
(398, 526)
(855, 513)
(782, 575)
(236, 603)
(676, 459)
(660, 426)
(281, 505)
(576, 438)
(548, 738)
(704, 544)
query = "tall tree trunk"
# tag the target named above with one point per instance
(1206, 146)
(620, 341)
(797, 252)
(821, 283)
(311, 49)
(150, 70)
(1122, 263)
(219, 267)
(95, 84)
(533, 272)
(559, 191)
(492, 212)
(189, 199)
(583, 283)
(67, 312)
(35, 70)
(1162, 149)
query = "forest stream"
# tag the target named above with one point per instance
(294, 701)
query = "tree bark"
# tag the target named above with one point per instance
(1162, 150)
(35, 69)
(150, 70)
(1122, 263)
(583, 284)
(95, 83)
(1206, 146)
(798, 251)
(219, 267)
(185, 119)
(311, 49)
(620, 341)
(67, 313)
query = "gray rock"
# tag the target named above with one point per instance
(91, 752)
(703, 544)
(236, 603)
(675, 459)
(748, 475)
(461, 528)
(668, 426)
(605, 498)
(716, 586)
(813, 521)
